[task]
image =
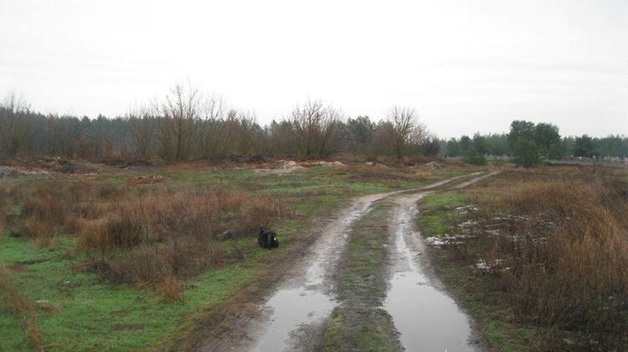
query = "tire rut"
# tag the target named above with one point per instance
(426, 317)
(287, 309)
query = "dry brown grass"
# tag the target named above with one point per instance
(145, 235)
(562, 250)
(141, 234)
(172, 290)
(43, 213)
(115, 231)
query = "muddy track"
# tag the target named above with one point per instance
(425, 316)
(287, 308)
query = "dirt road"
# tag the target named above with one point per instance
(290, 308)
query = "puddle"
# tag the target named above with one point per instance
(427, 318)
(304, 302)
(293, 309)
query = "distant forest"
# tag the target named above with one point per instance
(187, 126)
(478, 148)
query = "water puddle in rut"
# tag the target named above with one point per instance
(427, 318)
(306, 301)
(301, 305)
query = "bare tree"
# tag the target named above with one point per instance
(315, 126)
(208, 131)
(407, 131)
(181, 109)
(143, 129)
(381, 143)
(282, 139)
(243, 133)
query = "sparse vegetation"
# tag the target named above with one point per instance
(540, 263)
(543, 252)
(154, 249)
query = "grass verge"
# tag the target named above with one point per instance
(538, 257)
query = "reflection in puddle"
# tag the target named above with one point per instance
(427, 319)
(291, 309)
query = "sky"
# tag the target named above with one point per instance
(465, 66)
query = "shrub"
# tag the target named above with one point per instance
(44, 215)
(113, 232)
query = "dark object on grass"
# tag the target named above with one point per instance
(267, 239)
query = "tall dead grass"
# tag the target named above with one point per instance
(43, 213)
(562, 252)
(145, 237)
(146, 234)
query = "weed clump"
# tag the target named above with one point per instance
(172, 290)
(44, 212)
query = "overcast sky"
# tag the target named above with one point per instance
(466, 66)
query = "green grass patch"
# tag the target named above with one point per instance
(82, 309)
(369, 330)
(445, 201)
(434, 225)
(437, 211)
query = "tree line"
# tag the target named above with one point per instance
(187, 125)
(528, 143)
